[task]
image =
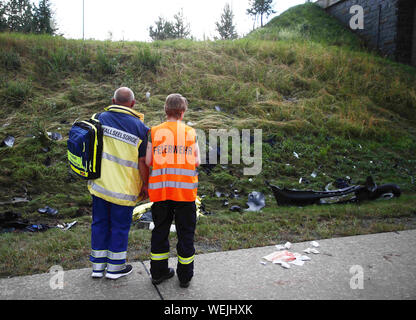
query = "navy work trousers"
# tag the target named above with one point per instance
(184, 214)
(109, 235)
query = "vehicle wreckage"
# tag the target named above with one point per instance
(350, 194)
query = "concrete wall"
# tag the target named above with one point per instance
(414, 38)
(380, 22)
(405, 37)
(389, 25)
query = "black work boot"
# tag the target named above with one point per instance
(169, 275)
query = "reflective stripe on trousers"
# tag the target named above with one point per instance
(99, 267)
(159, 256)
(186, 260)
(115, 267)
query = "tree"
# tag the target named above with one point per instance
(162, 31)
(43, 19)
(181, 29)
(226, 27)
(19, 16)
(261, 7)
(3, 18)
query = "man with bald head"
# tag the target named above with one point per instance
(123, 183)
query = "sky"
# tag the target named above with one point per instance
(130, 20)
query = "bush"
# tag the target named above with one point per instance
(105, 64)
(147, 58)
(10, 60)
(16, 93)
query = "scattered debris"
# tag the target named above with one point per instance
(280, 256)
(37, 228)
(309, 250)
(315, 244)
(49, 211)
(47, 162)
(289, 99)
(235, 209)
(304, 181)
(285, 258)
(296, 155)
(256, 201)
(55, 136)
(66, 226)
(314, 174)
(217, 108)
(15, 201)
(8, 142)
(271, 141)
(147, 96)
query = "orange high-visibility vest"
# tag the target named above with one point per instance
(174, 176)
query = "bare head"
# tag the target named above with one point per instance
(124, 97)
(176, 106)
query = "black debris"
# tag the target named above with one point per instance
(49, 211)
(235, 209)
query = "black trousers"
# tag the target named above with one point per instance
(184, 214)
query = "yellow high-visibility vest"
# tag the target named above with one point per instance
(120, 182)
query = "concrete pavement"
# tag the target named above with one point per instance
(382, 266)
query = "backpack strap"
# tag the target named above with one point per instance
(96, 117)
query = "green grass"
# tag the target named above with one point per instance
(318, 91)
(23, 254)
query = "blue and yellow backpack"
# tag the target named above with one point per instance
(85, 148)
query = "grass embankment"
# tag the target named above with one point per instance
(344, 110)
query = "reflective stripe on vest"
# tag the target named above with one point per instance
(173, 171)
(112, 194)
(174, 176)
(122, 162)
(173, 184)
